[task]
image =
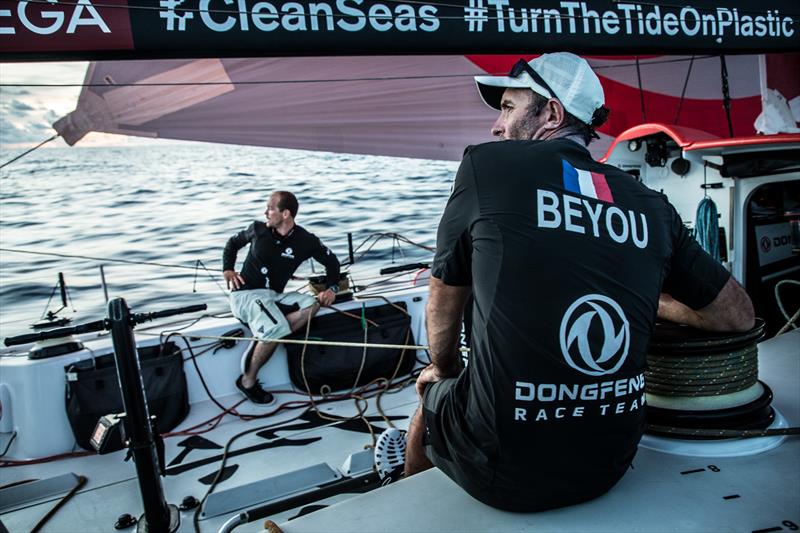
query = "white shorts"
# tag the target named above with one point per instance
(257, 308)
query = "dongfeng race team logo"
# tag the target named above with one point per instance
(595, 335)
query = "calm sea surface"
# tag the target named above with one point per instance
(177, 204)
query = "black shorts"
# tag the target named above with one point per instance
(432, 401)
(438, 450)
(480, 483)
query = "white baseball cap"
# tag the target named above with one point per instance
(560, 75)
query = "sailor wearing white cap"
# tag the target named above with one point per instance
(563, 86)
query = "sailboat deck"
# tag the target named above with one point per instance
(112, 488)
(712, 490)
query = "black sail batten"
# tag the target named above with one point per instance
(149, 29)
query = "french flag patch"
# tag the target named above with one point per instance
(586, 183)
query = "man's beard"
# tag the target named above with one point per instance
(527, 127)
(522, 131)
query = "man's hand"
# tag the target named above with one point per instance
(233, 279)
(326, 298)
(731, 310)
(431, 374)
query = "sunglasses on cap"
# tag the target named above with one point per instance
(523, 66)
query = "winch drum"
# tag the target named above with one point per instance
(697, 380)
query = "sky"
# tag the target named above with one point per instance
(27, 113)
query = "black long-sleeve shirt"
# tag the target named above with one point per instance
(272, 258)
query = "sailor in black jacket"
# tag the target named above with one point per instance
(277, 247)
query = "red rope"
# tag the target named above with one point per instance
(212, 422)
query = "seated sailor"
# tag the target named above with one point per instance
(277, 247)
(549, 411)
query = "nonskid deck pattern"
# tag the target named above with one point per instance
(284, 439)
(292, 444)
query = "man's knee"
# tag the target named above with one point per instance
(264, 349)
(299, 318)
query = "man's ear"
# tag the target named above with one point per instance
(554, 114)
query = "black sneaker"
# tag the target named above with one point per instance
(255, 393)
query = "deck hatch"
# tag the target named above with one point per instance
(268, 490)
(41, 489)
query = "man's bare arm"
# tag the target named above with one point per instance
(443, 316)
(731, 310)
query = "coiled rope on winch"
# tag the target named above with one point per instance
(685, 362)
(706, 375)
(704, 385)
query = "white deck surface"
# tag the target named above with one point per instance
(664, 492)
(112, 488)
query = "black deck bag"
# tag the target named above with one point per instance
(336, 366)
(93, 391)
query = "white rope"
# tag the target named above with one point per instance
(780, 302)
(193, 336)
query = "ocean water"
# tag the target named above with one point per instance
(177, 204)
